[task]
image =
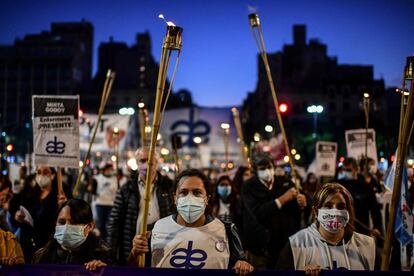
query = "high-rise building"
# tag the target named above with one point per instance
(305, 75)
(53, 62)
(136, 76)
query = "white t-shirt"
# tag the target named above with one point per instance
(106, 190)
(177, 246)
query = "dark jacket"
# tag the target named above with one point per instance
(267, 228)
(365, 203)
(122, 223)
(92, 249)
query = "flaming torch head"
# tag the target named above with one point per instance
(254, 20)
(408, 70)
(173, 39)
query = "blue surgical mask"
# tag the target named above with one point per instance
(70, 236)
(345, 175)
(190, 207)
(223, 191)
(341, 175)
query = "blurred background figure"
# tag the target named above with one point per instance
(106, 188)
(225, 203)
(243, 174)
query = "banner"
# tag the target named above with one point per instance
(326, 158)
(56, 130)
(104, 141)
(355, 144)
(189, 123)
(58, 270)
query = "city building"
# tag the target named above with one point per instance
(136, 76)
(55, 62)
(305, 75)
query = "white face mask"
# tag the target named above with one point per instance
(190, 207)
(70, 236)
(43, 180)
(266, 175)
(333, 220)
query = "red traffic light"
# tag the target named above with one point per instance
(283, 107)
(9, 147)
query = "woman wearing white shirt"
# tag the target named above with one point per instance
(330, 242)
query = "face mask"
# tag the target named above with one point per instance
(70, 236)
(372, 169)
(333, 220)
(266, 175)
(191, 208)
(348, 175)
(43, 180)
(224, 191)
(17, 187)
(341, 175)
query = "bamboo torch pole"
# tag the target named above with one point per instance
(143, 122)
(237, 124)
(366, 112)
(255, 25)
(59, 181)
(226, 131)
(110, 77)
(172, 41)
(405, 127)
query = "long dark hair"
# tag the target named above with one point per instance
(80, 211)
(238, 177)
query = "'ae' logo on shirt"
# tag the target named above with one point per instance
(188, 258)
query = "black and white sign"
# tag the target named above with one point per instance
(56, 130)
(326, 158)
(355, 144)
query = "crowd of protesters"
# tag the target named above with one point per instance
(254, 217)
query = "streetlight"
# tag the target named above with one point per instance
(315, 110)
(226, 130)
(268, 128)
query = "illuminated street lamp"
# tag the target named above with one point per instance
(315, 110)
(268, 128)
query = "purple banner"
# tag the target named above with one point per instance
(71, 270)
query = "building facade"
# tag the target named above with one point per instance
(305, 75)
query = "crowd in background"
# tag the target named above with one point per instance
(264, 208)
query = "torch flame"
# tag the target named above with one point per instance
(169, 23)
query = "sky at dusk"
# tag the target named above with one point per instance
(218, 63)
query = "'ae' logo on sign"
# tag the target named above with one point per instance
(55, 146)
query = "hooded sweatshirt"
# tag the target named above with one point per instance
(309, 247)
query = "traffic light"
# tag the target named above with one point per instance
(283, 108)
(9, 147)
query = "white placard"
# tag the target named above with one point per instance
(56, 131)
(104, 140)
(355, 144)
(326, 153)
